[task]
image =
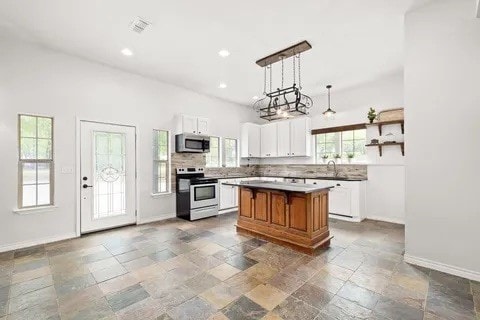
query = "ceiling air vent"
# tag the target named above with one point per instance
(139, 25)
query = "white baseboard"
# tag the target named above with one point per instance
(387, 219)
(31, 243)
(156, 218)
(228, 210)
(456, 271)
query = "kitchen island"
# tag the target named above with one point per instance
(289, 214)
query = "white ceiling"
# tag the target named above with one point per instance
(353, 41)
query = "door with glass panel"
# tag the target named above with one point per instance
(107, 173)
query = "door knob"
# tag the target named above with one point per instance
(85, 186)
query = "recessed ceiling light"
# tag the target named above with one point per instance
(224, 53)
(255, 97)
(127, 52)
(222, 85)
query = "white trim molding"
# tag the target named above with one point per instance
(156, 218)
(387, 219)
(457, 271)
(31, 243)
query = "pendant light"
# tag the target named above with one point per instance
(329, 113)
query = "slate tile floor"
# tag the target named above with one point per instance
(205, 270)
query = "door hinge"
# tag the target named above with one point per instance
(136, 213)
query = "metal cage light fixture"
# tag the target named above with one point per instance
(329, 113)
(284, 102)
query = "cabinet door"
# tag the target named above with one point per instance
(254, 141)
(250, 140)
(300, 137)
(202, 125)
(189, 124)
(283, 136)
(268, 134)
(340, 200)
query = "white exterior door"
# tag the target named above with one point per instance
(107, 173)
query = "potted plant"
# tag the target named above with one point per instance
(324, 158)
(350, 156)
(372, 114)
(337, 157)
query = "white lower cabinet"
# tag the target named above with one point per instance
(346, 199)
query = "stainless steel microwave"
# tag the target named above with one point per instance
(187, 142)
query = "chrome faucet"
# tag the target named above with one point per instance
(335, 172)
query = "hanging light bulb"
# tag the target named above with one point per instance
(285, 114)
(329, 113)
(279, 111)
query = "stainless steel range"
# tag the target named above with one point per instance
(197, 196)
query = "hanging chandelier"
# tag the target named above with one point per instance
(284, 102)
(329, 113)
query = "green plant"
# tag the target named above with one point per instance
(337, 156)
(350, 156)
(325, 156)
(372, 114)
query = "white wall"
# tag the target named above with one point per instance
(39, 81)
(386, 174)
(442, 76)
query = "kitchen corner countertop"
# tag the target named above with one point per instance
(282, 186)
(291, 177)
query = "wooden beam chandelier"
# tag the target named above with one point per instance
(284, 102)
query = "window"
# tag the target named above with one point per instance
(161, 166)
(342, 143)
(353, 142)
(328, 144)
(36, 174)
(230, 152)
(213, 157)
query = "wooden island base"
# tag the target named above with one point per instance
(296, 220)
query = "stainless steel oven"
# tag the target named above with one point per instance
(203, 194)
(197, 196)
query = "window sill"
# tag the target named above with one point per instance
(35, 210)
(160, 195)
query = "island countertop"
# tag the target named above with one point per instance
(282, 186)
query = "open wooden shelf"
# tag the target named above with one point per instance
(385, 144)
(380, 124)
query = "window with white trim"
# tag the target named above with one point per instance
(35, 161)
(161, 162)
(213, 157)
(343, 143)
(230, 152)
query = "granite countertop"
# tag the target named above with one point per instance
(290, 177)
(282, 186)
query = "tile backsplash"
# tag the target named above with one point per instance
(282, 170)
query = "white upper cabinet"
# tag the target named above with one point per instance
(268, 137)
(202, 126)
(195, 125)
(300, 137)
(283, 135)
(288, 138)
(250, 140)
